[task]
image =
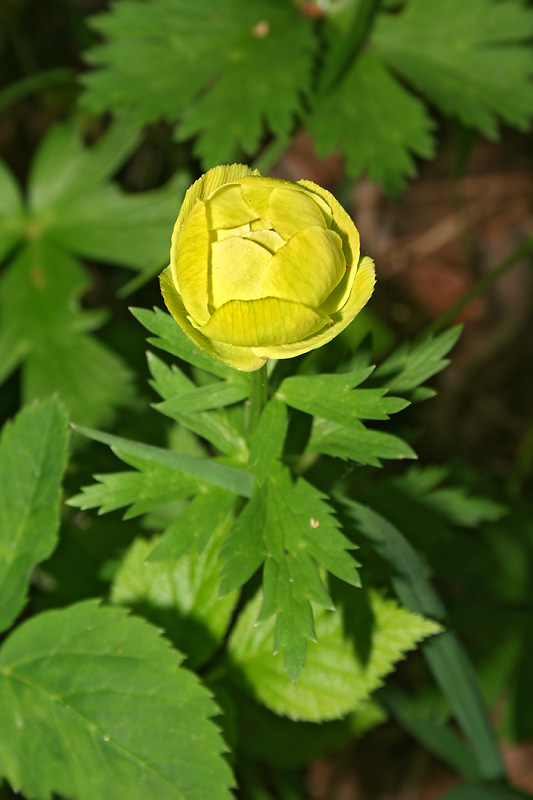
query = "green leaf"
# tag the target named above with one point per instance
(11, 211)
(72, 209)
(410, 366)
(181, 595)
(33, 453)
(471, 60)
(358, 444)
(350, 119)
(231, 478)
(454, 503)
(268, 439)
(332, 397)
(209, 510)
(290, 528)
(87, 693)
(226, 69)
(336, 678)
(41, 319)
(215, 426)
(172, 339)
(150, 486)
(447, 660)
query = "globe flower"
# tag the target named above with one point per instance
(263, 268)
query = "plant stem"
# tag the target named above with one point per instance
(258, 398)
(481, 286)
(35, 83)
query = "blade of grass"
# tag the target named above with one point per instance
(448, 661)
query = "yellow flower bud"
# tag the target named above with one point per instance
(263, 268)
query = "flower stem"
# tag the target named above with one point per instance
(258, 398)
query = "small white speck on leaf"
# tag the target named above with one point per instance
(314, 522)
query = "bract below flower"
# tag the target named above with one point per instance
(263, 268)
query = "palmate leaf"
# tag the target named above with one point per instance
(87, 692)
(72, 210)
(291, 529)
(181, 595)
(377, 125)
(33, 452)
(338, 675)
(471, 60)
(226, 69)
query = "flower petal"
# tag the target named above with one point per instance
(306, 269)
(258, 323)
(208, 183)
(189, 262)
(291, 211)
(362, 289)
(241, 358)
(226, 208)
(237, 265)
(341, 222)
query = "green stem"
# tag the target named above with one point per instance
(481, 286)
(351, 45)
(258, 398)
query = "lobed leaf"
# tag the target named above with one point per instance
(350, 119)
(471, 60)
(190, 60)
(337, 677)
(291, 529)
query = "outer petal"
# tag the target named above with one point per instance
(306, 269)
(189, 263)
(341, 222)
(254, 323)
(208, 183)
(242, 358)
(362, 289)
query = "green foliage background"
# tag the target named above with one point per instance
(235, 545)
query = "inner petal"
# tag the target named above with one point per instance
(226, 208)
(271, 240)
(307, 268)
(236, 267)
(291, 210)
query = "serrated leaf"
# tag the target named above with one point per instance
(361, 445)
(87, 692)
(351, 119)
(335, 679)
(215, 426)
(332, 397)
(172, 339)
(212, 472)
(472, 61)
(268, 439)
(290, 527)
(151, 486)
(181, 595)
(190, 59)
(33, 453)
(207, 512)
(408, 367)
